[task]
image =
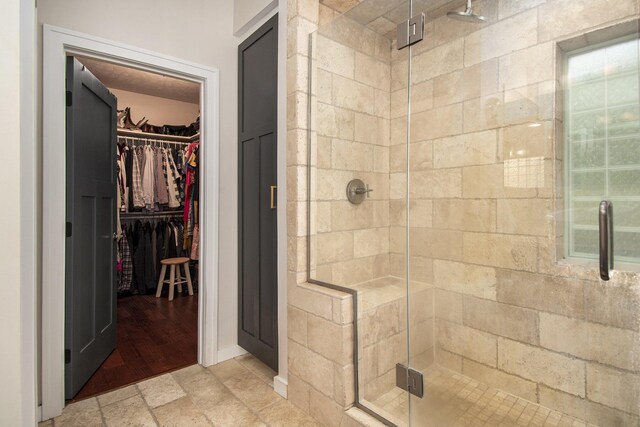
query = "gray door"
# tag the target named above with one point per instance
(90, 288)
(257, 119)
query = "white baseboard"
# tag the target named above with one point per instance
(280, 386)
(230, 352)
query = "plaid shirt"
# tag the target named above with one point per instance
(125, 275)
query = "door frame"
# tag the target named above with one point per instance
(57, 44)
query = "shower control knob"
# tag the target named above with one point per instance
(366, 190)
(357, 190)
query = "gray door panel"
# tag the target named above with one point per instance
(90, 288)
(257, 121)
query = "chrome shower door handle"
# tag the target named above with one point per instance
(605, 226)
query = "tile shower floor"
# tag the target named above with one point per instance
(452, 399)
(238, 392)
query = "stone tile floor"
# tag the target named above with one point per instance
(238, 392)
(452, 399)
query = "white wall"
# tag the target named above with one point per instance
(247, 13)
(10, 361)
(200, 31)
(28, 216)
(196, 30)
(159, 111)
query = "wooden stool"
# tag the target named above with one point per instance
(173, 279)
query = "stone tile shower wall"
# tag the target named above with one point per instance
(320, 320)
(486, 201)
(350, 140)
(486, 225)
(350, 134)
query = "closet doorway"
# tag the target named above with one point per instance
(56, 41)
(133, 163)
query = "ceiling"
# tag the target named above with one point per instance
(383, 16)
(133, 80)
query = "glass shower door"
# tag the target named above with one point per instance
(357, 174)
(523, 117)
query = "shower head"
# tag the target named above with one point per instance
(467, 15)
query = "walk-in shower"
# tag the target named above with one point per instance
(489, 146)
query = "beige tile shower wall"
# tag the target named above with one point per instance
(350, 133)
(320, 321)
(351, 136)
(486, 207)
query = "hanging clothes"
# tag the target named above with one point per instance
(118, 224)
(138, 200)
(154, 252)
(151, 178)
(155, 178)
(178, 162)
(138, 256)
(171, 250)
(191, 189)
(188, 182)
(128, 163)
(161, 181)
(176, 176)
(160, 245)
(195, 244)
(148, 178)
(171, 181)
(125, 273)
(142, 265)
(193, 228)
(122, 177)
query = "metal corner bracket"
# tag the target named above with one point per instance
(410, 31)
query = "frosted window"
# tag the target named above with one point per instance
(603, 147)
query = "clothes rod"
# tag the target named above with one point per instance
(149, 218)
(150, 214)
(158, 136)
(152, 140)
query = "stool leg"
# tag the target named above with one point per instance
(178, 279)
(163, 270)
(185, 266)
(172, 279)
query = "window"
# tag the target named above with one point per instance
(602, 147)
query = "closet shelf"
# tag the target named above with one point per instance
(158, 136)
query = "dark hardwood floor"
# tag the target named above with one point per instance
(154, 336)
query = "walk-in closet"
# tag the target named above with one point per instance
(152, 276)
